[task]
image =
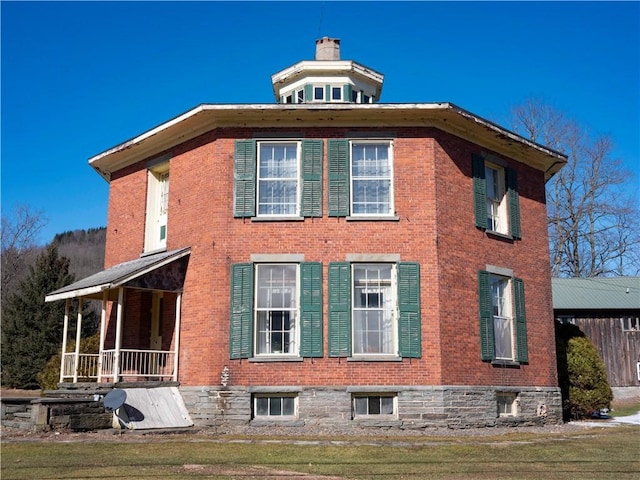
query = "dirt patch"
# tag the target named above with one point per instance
(254, 472)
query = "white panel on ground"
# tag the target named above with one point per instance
(160, 407)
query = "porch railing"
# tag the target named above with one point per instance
(134, 365)
(87, 366)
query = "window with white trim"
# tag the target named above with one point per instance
(276, 309)
(336, 94)
(272, 317)
(275, 406)
(495, 196)
(318, 93)
(502, 305)
(374, 309)
(366, 405)
(496, 199)
(278, 178)
(507, 403)
(371, 178)
(274, 179)
(503, 326)
(157, 207)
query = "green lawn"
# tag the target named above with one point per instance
(596, 453)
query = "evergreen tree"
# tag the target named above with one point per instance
(581, 374)
(31, 328)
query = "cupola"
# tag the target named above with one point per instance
(327, 79)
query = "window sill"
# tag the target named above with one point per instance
(148, 253)
(498, 235)
(283, 218)
(374, 358)
(373, 218)
(505, 363)
(276, 358)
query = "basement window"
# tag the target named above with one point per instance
(507, 403)
(384, 405)
(275, 406)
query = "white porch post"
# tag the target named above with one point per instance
(176, 347)
(103, 332)
(64, 338)
(76, 361)
(116, 359)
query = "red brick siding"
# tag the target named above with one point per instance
(434, 202)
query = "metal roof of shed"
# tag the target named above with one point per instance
(617, 293)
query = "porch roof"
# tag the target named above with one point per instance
(117, 276)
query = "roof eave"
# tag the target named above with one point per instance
(444, 116)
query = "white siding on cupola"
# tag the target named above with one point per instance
(327, 79)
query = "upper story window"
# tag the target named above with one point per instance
(361, 178)
(371, 178)
(496, 199)
(318, 94)
(336, 94)
(278, 179)
(503, 328)
(157, 207)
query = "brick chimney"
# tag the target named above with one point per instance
(328, 49)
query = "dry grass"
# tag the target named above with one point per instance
(590, 453)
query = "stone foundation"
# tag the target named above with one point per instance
(416, 407)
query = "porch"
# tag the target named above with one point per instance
(139, 321)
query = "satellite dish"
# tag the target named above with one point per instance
(114, 399)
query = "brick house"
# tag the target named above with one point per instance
(329, 259)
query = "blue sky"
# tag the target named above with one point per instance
(78, 78)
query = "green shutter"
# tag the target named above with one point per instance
(409, 309)
(338, 165)
(327, 93)
(339, 309)
(346, 93)
(487, 346)
(312, 178)
(514, 203)
(244, 176)
(240, 331)
(311, 309)
(479, 191)
(308, 93)
(522, 351)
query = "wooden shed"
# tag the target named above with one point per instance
(607, 311)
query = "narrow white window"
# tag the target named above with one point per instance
(503, 329)
(157, 208)
(497, 220)
(374, 309)
(276, 329)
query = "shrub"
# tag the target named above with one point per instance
(589, 390)
(49, 376)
